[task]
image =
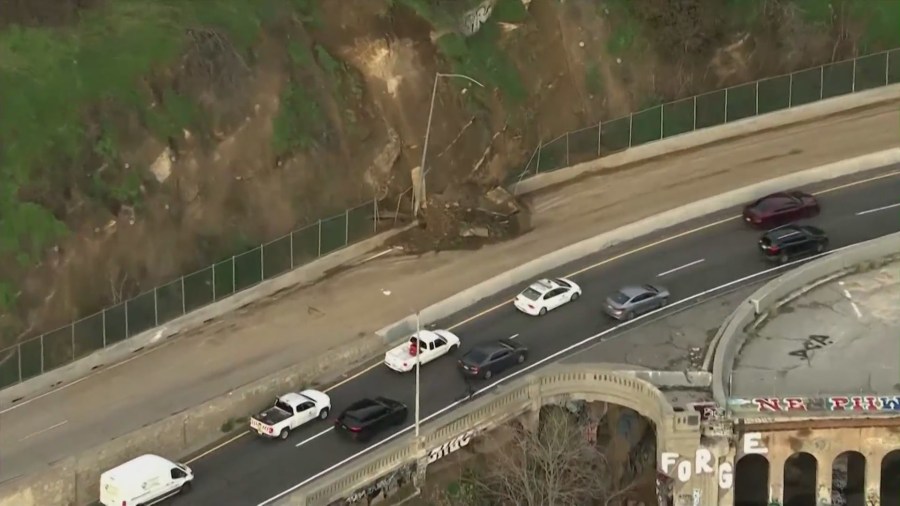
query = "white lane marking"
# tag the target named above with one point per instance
(849, 297)
(513, 336)
(307, 440)
(870, 211)
(538, 363)
(60, 424)
(685, 266)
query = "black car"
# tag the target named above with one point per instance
(367, 417)
(486, 360)
(786, 243)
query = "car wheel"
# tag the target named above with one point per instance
(663, 302)
(629, 315)
(520, 358)
(185, 488)
(820, 247)
(574, 297)
(542, 312)
(284, 434)
(783, 258)
(488, 374)
(323, 414)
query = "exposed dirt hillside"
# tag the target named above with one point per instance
(142, 139)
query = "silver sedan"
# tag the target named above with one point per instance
(635, 300)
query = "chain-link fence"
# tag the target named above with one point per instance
(713, 109)
(193, 291)
(222, 279)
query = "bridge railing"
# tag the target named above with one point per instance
(494, 408)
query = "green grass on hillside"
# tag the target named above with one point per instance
(51, 79)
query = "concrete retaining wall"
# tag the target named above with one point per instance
(75, 480)
(756, 308)
(647, 226)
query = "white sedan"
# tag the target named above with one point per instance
(546, 295)
(428, 344)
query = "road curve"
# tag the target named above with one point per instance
(700, 255)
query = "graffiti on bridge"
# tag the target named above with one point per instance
(384, 487)
(830, 403)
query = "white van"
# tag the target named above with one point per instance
(143, 481)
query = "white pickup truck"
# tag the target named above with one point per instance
(429, 344)
(289, 412)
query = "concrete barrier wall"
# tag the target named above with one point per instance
(756, 308)
(556, 382)
(530, 270)
(75, 480)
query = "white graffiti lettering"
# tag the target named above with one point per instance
(450, 446)
(752, 442)
(473, 19)
(702, 464)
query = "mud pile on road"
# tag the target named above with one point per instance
(465, 218)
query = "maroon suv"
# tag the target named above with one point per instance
(780, 208)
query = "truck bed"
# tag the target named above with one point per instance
(272, 416)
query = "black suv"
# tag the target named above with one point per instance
(367, 417)
(786, 243)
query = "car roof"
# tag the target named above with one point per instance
(544, 285)
(364, 407)
(293, 398)
(426, 336)
(783, 232)
(632, 290)
(134, 467)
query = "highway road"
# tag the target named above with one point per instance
(690, 259)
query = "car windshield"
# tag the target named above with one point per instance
(619, 298)
(476, 356)
(531, 294)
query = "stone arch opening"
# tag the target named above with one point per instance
(890, 477)
(848, 479)
(751, 481)
(621, 436)
(800, 480)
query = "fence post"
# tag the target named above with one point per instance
(126, 319)
(319, 231)
(262, 262)
(567, 149)
(599, 137)
(726, 105)
(19, 353)
(630, 128)
(233, 273)
(821, 82)
(374, 226)
(213, 283)
(42, 354)
(103, 320)
(695, 114)
(537, 166)
(291, 246)
(73, 342)
(853, 84)
(756, 106)
(346, 227)
(662, 121)
(887, 68)
(155, 308)
(791, 90)
(183, 298)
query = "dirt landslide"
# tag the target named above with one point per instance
(464, 218)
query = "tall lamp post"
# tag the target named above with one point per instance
(387, 293)
(437, 77)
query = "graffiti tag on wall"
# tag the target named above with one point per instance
(704, 461)
(830, 403)
(450, 446)
(476, 17)
(384, 486)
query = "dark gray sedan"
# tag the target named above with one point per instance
(635, 300)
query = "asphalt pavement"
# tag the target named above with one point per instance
(251, 470)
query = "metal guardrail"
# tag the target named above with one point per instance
(492, 409)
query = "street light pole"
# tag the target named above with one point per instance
(418, 364)
(437, 77)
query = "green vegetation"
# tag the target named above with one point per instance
(880, 17)
(593, 79)
(62, 90)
